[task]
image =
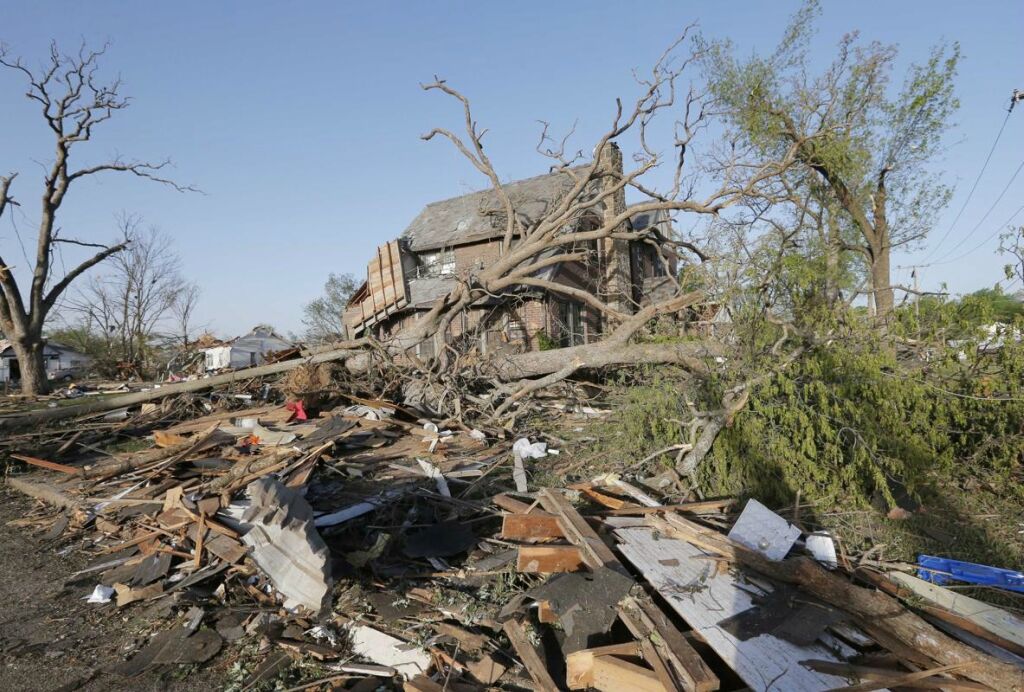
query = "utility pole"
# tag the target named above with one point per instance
(917, 301)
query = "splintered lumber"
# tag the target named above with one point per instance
(646, 621)
(528, 655)
(43, 463)
(579, 664)
(510, 504)
(549, 559)
(887, 677)
(703, 596)
(42, 491)
(595, 551)
(242, 470)
(530, 527)
(150, 456)
(877, 613)
(688, 507)
(613, 674)
(421, 683)
(981, 619)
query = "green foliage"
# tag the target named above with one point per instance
(852, 420)
(544, 341)
(991, 304)
(848, 125)
(322, 316)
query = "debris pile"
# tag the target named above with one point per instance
(387, 548)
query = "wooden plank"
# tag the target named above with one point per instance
(703, 596)
(421, 683)
(549, 559)
(42, 491)
(1007, 630)
(510, 504)
(51, 465)
(613, 674)
(687, 507)
(528, 655)
(531, 527)
(594, 550)
(646, 621)
(579, 664)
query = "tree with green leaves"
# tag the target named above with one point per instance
(867, 143)
(322, 316)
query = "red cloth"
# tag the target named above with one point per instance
(298, 412)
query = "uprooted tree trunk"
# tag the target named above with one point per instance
(558, 236)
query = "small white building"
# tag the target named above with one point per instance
(247, 350)
(61, 361)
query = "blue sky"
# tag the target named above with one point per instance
(301, 121)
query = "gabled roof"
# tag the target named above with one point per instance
(50, 346)
(480, 215)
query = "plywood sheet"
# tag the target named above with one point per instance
(702, 596)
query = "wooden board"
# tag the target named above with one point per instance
(593, 549)
(549, 559)
(385, 288)
(530, 527)
(529, 656)
(702, 596)
(1005, 626)
(613, 674)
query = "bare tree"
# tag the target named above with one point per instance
(183, 310)
(130, 301)
(73, 101)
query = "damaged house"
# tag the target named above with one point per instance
(451, 239)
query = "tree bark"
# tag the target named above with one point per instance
(881, 282)
(32, 366)
(693, 355)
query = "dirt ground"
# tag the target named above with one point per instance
(50, 638)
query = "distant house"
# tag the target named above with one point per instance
(451, 239)
(61, 362)
(246, 350)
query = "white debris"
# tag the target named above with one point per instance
(823, 548)
(528, 450)
(477, 434)
(433, 472)
(518, 473)
(763, 530)
(285, 545)
(101, 594)
(408, 659)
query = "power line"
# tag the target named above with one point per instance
(976, 181)
(982, 220)
(985, 241)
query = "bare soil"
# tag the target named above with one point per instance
(50, 638)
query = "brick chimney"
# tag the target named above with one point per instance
(616, 279)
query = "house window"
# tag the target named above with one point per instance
(425, 349)
(568, 324)
(514, 329)
(436, 264)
